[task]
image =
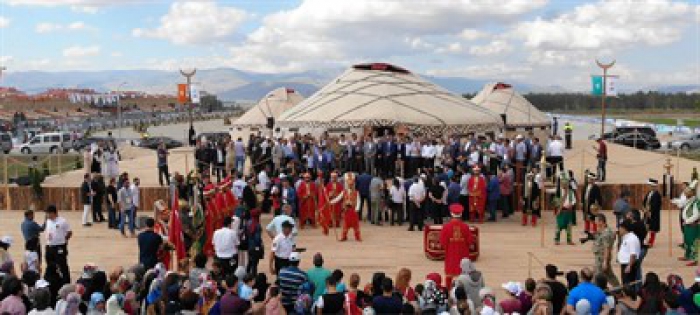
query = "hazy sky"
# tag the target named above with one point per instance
(655, 42)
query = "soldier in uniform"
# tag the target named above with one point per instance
(456, 239)
(307, 201)
(477, 195)
(333, 189)
(531, 196)
(652, 211)
(564, 210)
(591, 199)
(691, 224)
(349, 200)
(602, 249)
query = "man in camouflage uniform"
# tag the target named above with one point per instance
(691, 224)
(602, 249)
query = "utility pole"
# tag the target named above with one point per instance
(605, 68)
(119, 112)
(188, 74)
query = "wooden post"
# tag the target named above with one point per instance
(187, 164)
(670, 231)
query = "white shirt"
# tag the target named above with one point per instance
(555, 148)
(630, 246)
(463, 183)
(135, 195)
(282, 246)
(225, 242)
(428, 151)
(398, 195)
(275, 226)
(417, 192)
(56, 231)
(238, 187)
(263, 181)
(32, 260)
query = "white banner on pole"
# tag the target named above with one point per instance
(611, 85)
(194, 94)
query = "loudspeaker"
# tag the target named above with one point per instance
(270, 122)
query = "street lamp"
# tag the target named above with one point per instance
(119, 110)
(188, 74)
(605, 68)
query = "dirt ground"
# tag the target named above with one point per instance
(505, 249)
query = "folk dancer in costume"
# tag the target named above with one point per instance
(592, 200)
(652, 211)
(307, 200)
(230, 199)
(531, 196)
(691, 224)
(564, 210)
(349, 200)
(211, 214)
(324, 208)
(456, 239)
(602, 249)
(333, 189)
(161, 214)
(477, 195)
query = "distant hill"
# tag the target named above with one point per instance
(232, 84)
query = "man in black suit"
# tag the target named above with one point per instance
(592, 201)
(389, 153)
(652, 211)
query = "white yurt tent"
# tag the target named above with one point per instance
(519, 113)
(269, 107)
(381, 95)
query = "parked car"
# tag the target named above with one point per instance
(639, 141)
(154, 142)
(6, 142)
(53, 142)
(686, 142)
(88, 141)
(214, 136)
(623, 130)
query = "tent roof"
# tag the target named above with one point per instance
(503, 99)
(386, 95)
(272, 105)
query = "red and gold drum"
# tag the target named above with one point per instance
(434, 251)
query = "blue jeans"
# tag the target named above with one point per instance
(240, 163)
(492, 205)
(131, 214)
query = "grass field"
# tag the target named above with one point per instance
(18, 165)
(692, 123)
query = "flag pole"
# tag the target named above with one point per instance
(605, 68)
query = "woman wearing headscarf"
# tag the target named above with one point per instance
(7, 265)
(97, 304)
(256, 250)
(471, 280)
(114, 305)
(434, 295)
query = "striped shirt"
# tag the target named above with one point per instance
(290, 279)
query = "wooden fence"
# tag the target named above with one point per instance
(65, 198)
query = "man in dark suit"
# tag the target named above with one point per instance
(362, 186)
(390, 153)
(652, 211)
(592, 201)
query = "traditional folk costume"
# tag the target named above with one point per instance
(652, 211)
(333, 189)
(691, 224)
(349, 201)
(230, 199)
(211, 215)
(456, 239)
(306, 194)
(564, 210)
(324, 207)
(531, 197)
(477, 195)
(161, 214)
(592, 200)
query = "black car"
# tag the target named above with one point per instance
(624, 130)
(217, 137)
(154, 142)
(86, 142)
(639, 141)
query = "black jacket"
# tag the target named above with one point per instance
(653, 203)
(594, 197)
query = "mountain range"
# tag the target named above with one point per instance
(234, 85)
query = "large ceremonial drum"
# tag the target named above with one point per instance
(434, 251)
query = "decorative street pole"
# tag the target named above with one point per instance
(605, 68)
(119, 111)
(188, 74)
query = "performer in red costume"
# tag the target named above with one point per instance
(349, 200)
(211, 214)
(161, 214)
(456, 239)
(324, 208)
(230, 199)
(221, 207)
(333, 189)
(306, 193)
(477, 195)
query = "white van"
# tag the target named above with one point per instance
(52, 142)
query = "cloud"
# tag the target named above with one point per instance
(47, 27)
(4, 22)
(321, 33)
(608, 24)
(5, 60)
(81, 51)
(195, 22)
(53, 3)
(496, 47)
(472, 34)
(494, 71)
(451, 48)
(117, 54)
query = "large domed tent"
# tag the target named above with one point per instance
(382, 95)
(518, 112)
(269, 107)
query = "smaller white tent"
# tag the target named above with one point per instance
(272, 106)
(502, 99)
